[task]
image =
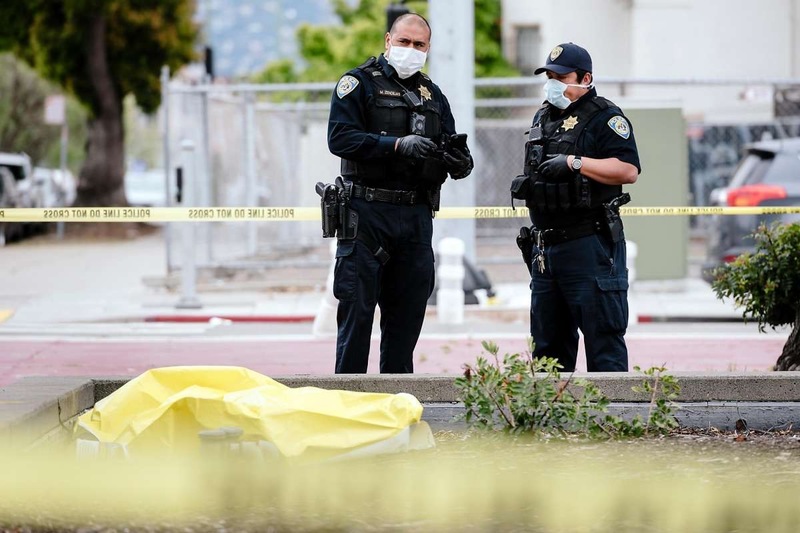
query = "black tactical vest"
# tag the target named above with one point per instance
(560, 136)
(390, 113)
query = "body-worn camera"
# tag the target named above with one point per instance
(534, 152)
(522, 186)
(417, 125)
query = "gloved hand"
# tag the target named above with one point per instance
(459, 162)
(554, 168)
(415, 146)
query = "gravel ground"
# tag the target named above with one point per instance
(785, 439)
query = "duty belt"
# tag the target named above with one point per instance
(549, 237)
(372, 194)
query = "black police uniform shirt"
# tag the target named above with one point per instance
(348, 135)
(608, 134)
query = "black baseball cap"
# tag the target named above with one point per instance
(566, 58)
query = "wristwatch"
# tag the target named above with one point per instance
(577, 164)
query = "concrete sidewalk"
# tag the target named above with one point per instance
(45, 281)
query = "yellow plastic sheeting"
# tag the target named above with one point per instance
(165, 408)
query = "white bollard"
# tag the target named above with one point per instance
(450, 281)
(632, 252)
(325, 320)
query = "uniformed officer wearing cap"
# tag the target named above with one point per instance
(387, 121)
(580, 152)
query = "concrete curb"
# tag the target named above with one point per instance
(231, 318)
(35, 408)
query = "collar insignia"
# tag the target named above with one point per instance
(570, 123)
(424, 92)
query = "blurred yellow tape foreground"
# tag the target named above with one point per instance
(266, 214)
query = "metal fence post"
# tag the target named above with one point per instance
(250, 167)
(166, 162)
(189, 298)
(204, 195)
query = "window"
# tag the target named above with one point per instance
(528, 49)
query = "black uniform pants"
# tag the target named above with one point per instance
(401, 287)
(584, 286)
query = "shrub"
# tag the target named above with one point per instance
(526, 394)
(766, 284)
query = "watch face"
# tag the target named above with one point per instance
(577, 164)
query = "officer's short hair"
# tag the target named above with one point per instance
(408, 16)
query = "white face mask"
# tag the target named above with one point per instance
(405, 60)
(554, 92)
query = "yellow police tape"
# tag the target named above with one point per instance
(268, 214)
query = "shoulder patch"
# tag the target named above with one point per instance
(620, 126)
(346, 85)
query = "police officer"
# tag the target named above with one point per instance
(391, 126)
(579, 154)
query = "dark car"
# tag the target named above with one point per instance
(767, 175)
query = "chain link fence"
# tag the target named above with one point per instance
(265, 145)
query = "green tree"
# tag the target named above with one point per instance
(101, 51)
(489, 60)
(22, 127)
(328, 51)
(767, 285)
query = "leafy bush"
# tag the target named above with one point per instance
(766, 284)
(526, 394)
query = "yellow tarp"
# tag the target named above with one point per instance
(165, 408)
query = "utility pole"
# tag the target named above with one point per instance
(452, 67)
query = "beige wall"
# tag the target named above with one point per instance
(662, 241)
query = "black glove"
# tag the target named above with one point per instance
(415, 146)
(554, 168)
(459, 162)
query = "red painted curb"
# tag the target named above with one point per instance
(232, 318)
(647, 319)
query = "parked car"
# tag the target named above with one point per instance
(15, 191)
(146, 188)
(767, 175)
(53, 187)
(22, 185)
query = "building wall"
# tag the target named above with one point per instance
(600, 26)
(680, 39)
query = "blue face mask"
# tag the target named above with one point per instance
(554, 92)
